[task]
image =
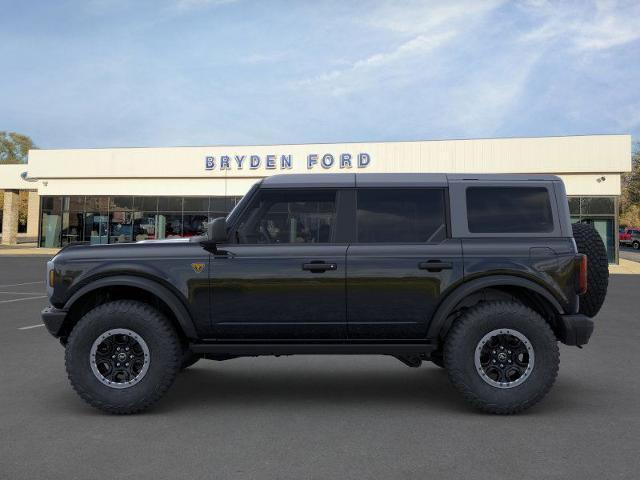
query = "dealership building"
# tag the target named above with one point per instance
(129, 194)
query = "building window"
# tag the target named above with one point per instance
(117, 219)
(601, 212)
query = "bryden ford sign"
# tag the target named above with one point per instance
(286, 162)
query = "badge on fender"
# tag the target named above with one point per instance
(198, 267)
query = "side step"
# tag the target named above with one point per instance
(253, 349)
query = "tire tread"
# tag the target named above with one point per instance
(163, 326)
(468, 322)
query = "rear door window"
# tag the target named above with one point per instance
(386, 215)
(509, 210)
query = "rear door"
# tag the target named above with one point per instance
(402, 261)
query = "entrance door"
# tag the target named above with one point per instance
(285, 276)
(401, 263)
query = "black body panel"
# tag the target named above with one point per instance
(170, 265)
(547, 262)
(274, 291)
(335, 297)
(393, 290)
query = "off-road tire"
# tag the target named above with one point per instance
(164, 362)
(590, 243)
(464, 337)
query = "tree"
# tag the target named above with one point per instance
(14, 147)
(630, 197)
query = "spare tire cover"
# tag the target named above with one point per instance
(590, 243)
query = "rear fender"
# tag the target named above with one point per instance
(441, 321)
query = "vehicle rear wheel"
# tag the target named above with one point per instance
(589, 242)
(502, 356)
(636, 245)
(122, 356)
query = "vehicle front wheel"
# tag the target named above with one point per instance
(502, 356)
(122, 356)
(636, 245)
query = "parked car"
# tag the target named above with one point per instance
(630, 237)
(480, 274)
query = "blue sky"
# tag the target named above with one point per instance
(204, 72)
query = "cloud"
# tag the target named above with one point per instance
(420, 17)
(364, 72)
(418, 31)
(480, 105)
(606, 26)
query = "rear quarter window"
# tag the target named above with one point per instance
(509, 210)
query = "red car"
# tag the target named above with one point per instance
(630, 237)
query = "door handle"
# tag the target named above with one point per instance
(435, 266)
(319, 267)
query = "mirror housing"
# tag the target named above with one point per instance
(217, 230)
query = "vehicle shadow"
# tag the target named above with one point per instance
(293, 388)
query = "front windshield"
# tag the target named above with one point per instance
(240, 205)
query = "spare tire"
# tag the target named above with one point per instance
(590, 243)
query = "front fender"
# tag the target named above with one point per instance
(174, 303)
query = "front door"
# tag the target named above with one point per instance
(285, 275)
(401, 263)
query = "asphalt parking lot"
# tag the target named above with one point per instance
(629, 253)
(316, 417)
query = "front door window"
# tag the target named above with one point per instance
(290, 217)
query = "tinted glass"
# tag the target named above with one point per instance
(170, 204)
(120, 227)
(149, 204)
(597, 206)
(509, 210)
(97, 204)
(401, 216)
(144, 226)
(574, 205)
(194, 223)
(290, 217)
(196, 204)
(168, 225)
(120, 203)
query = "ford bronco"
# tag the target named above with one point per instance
(480, 274)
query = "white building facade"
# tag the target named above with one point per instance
(129, 194)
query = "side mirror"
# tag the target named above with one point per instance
(217, 230)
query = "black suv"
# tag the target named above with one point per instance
(480, 274)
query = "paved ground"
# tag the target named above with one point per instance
(316, 417)
(629, 253)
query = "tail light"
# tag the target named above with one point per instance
(581, 280)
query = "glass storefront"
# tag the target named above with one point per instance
(104, 219)
(602, 213)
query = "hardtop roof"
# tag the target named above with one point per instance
(346, 180)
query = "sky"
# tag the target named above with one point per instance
(115, 73)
